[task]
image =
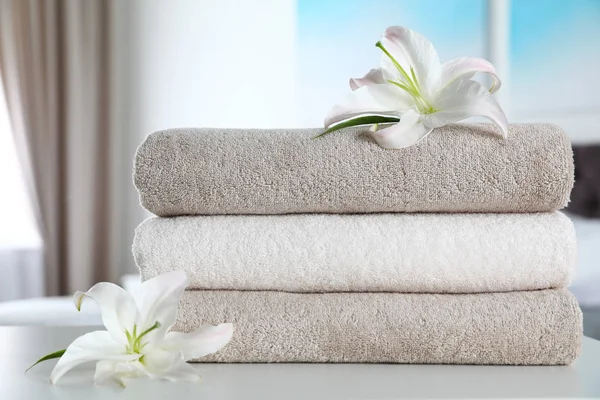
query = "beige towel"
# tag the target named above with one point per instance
(537, 327)
(433, 253)
(458, 168)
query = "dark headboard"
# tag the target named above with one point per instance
(585, 197)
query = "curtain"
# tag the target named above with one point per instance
(55, 61)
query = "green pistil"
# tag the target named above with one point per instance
(410, 85)
(134, 344)
(398, 66)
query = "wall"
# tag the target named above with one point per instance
(555, 59)
(189, 63)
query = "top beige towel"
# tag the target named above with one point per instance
(458, 168)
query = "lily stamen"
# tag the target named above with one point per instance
(398, 66)
(134, 346)
(411, 86)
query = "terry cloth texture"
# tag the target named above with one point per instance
(457, 168)
(518, 328)
(426, 253)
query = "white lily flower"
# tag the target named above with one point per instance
(137, 341)
(414, 87)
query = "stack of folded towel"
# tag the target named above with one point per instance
(337, 250)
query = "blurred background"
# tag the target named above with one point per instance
(83, 82)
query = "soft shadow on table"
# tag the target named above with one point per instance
(316, 381)
(79, 384)
(390, 381)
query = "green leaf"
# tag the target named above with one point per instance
(56, 354)
(366, 120)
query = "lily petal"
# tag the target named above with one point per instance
(92, 346)
(389, 70)
(182, 371)
(380, 99)
(466, 68)
(162, 364)
(205, 340)
(403, 134)
(411, 49)
(158, 299)
(462, 99)
(372, 77)
(117, 307)
(108, 372)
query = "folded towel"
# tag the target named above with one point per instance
(434, 253)
(458, 168)
(538, 327)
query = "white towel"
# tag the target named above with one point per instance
(422, 253)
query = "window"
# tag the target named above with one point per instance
(20, 244)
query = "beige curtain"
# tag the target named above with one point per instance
(55, 65)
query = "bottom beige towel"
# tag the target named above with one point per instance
(527, 328)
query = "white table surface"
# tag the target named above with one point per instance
(20, 346)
